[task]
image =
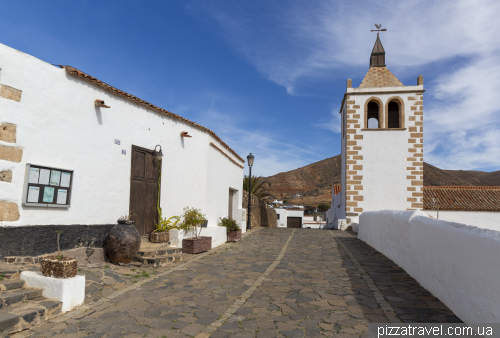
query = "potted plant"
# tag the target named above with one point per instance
(192, 221)
(58, 266)
(232, 229)
(161, 233)
(125, 219)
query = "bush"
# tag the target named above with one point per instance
(229, 223)
(192, 219)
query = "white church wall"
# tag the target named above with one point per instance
(59, 126)
(485, 220)
(457, 263)
(384, 170)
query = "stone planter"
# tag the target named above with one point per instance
(122, 243)
(196, 245)
(159, 237)
(234, 236)
(58, 268)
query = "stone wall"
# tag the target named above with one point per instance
(42, 239)
(261, 215)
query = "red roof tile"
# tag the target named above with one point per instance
(468, 198)
(106, 86)
(337, 188)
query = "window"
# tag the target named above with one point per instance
(373, 110)
(393, 115)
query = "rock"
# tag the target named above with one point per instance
(122, 243)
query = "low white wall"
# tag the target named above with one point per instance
(485, 220)
(457, 263)
(69, 291)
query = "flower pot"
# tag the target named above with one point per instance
(234, 236)
(196, 245)
(58, 268)
(122, 243)
(159, 237)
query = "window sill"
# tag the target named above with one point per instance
(382, 129)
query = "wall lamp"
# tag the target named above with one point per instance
(158, 154)
(100, 104)
(185, 134)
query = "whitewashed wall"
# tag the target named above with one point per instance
(282, 220)
(385, 154)
(58, 126)
(457, 263)
(485, 220)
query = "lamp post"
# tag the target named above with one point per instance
(249, 218)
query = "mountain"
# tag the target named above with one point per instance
(315, 181)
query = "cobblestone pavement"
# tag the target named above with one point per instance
(273, 283)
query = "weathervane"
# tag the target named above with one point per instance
(378, 29)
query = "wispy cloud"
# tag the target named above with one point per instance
(455, 43)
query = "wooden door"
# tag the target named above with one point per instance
(294, 222)
(144, 189)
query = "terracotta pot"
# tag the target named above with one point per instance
(58, 268)
(196, 245)
(122, 243)
(159, 237)
(234, 236)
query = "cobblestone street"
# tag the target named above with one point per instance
(273, 283)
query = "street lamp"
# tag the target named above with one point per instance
(249, 218)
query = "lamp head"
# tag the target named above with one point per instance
(250, 159)
(158, 154)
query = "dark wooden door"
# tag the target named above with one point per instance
(294, 222)
(144, 189)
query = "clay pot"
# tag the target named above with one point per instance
(159, 237)
(122, 243)
(58, 268)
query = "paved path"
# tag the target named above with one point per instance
(274, 283)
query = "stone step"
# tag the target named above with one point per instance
(8, 298)
(160, 260)
(158, 252)
(11, 284)
(22, 316)
(155, 246)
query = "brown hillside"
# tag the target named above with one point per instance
(315, 181)
(479, 178)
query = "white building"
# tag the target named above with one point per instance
(290, 217)
(98, 142)
(382, 145)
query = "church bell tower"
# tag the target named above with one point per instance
(382, 142)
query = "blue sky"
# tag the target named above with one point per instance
(268, 76)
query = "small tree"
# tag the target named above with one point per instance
(323, 207)
(192, 219)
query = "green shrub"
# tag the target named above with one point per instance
(192, 219)
(229, 223)
(166, 224)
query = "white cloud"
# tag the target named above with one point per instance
(456, 42)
